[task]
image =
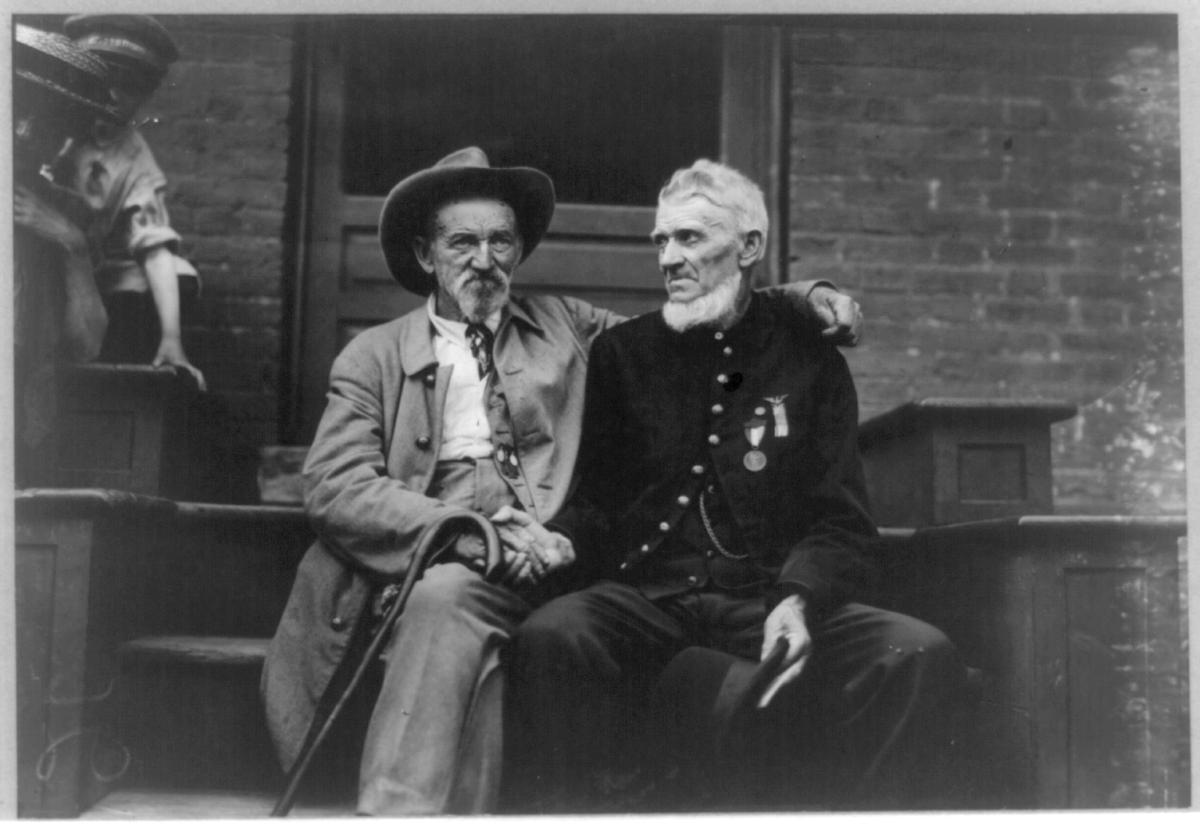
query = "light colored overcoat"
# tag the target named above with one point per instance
(368, 472)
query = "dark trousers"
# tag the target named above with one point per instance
(860, 728)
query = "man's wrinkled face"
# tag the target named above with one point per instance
(698, 247)
(473, 251)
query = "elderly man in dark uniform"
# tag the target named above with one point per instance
(721, 504)
(474, 400)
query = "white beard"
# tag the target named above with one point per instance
(719, 306)
(478, 300)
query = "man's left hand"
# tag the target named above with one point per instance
(786, 620)
(839, 314)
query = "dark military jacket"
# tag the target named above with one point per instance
(671, 416)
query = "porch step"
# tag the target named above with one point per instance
(190, 714)
(199, 651)
(155, 665)
(222, 570)
(132, 804)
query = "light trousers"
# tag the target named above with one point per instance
(434, 740)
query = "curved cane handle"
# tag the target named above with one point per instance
(493, 553)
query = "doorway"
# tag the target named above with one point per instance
(608, 106)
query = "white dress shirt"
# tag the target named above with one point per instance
(465, 429)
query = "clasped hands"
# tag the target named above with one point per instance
(530, 551)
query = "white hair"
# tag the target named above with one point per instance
(726, 188)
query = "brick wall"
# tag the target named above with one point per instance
(1004, 200)
(1006, 203)
(220, 133)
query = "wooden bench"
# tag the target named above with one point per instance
(1079, 626)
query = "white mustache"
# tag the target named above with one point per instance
(491, 276)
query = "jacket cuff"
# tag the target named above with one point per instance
(561, 529)
(780, 591)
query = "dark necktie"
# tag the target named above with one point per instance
(480, 338)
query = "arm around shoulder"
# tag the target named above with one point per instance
(836, 316)
(589, 320)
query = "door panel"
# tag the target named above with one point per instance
(639, 88)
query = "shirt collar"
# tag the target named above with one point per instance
(516, 309)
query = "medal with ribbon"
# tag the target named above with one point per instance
(506, 458)
(779, 415)
(755, 459)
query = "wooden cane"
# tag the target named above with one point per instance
(421, 557)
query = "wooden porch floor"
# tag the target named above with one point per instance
(201, 804)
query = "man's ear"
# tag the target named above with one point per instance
(752, 249)
(422, 250)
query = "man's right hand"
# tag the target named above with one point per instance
(470, 549)
(531, 552)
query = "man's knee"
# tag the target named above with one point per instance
(919, 637)
(887, 647)
(442, 587)
(452, 595)
(567, 638)
(927, 652)
(553, 628)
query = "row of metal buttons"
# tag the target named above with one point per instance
(683, 500)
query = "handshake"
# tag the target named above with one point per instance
(531, 552)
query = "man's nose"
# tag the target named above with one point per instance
(668, 256)
(482, 257)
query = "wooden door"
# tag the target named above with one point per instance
(607, 106)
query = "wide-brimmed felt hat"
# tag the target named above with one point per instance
(135, 40)
(466, 172)
(60, 75)
(704, 698)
